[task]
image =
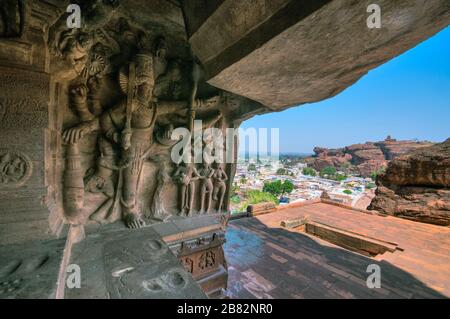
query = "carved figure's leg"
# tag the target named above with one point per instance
(222, 188)
(191, 198)
(202, 198)
(102, 182)
(216, 190)
(133, 218)
(209, 190)
(183, 199)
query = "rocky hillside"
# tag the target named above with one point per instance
(362, 158)
(417, 186)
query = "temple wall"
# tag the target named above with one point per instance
(55, 81)
(24, 122)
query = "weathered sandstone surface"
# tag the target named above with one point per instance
(363, 158)
(416, 186)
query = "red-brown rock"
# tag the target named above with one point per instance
(416, 186)
(364, 158)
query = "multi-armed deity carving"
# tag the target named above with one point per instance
(125, 115)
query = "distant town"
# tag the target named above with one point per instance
(290, 180)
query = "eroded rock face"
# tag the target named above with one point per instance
(416, 186)
(285, 53)
(363, 158)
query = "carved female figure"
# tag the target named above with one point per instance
(206, 187)
(186, 175)
(220, 187)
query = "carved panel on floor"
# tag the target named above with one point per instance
(124, 264)
(30, 270)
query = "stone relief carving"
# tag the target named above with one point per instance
(128, 96)
(205, 174)
(185, 176)
(73, 46)
(125, 137)
(207, 260)
(15, 168)
(203, 256)
(220, 186)
(163, 177)
(73, 196)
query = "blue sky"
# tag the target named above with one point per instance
(408, 98)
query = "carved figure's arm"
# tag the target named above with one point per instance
(166, 107)
(89, 123)
(225, 176)
(195, 175)
(108, 127)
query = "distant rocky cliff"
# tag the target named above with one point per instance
(417, 186)
(362, 158)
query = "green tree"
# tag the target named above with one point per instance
(348, 192)
(328, 171)
(287, 187)
(282, 171)
(273, 188)
(340, 177)
(251, 167)
(278, 188)
(309, 171)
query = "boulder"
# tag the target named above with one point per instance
(416, 186)
(364, 158)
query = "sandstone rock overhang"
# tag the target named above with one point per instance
(289, 52)
(416, 186)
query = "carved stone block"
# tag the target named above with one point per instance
(130, 264)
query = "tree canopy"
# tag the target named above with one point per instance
(328, 171)
(278, 188)
(309, 171)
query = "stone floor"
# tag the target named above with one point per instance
(268, 261)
